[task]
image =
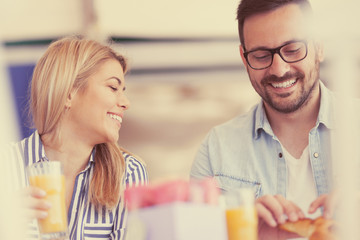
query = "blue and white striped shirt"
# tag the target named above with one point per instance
(84, 220)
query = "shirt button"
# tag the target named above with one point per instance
(316, 155)
(280, 155)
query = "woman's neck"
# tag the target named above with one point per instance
(72, 152)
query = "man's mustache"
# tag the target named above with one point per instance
(287, 76)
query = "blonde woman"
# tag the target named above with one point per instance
(77, 104)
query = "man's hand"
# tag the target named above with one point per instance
(274, 210)
(328, 201)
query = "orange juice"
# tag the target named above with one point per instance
(54, 185)
(242, 223)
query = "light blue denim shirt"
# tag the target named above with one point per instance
(244, 152)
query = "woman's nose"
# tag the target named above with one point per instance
(124, 102)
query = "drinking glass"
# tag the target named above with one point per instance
(48, 176)
(241, 215)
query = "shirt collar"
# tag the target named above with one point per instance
(38, 148)
(327, 104)
(325, 117)
(91, 160)
(261, 121)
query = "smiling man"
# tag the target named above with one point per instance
(281, 147)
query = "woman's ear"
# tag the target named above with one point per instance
(69, 99)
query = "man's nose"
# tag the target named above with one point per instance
(278, 67)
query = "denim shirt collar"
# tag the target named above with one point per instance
(325, 117)
(327, 105)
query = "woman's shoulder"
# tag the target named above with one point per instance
(26, 142)
(135, 169)
(13, 149)
(132, 159)
(13, 161)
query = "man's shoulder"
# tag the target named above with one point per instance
(242, 123)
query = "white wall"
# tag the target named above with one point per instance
(34, 19)
(164, 18)
(24, 19)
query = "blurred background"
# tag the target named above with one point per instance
(185, 77)
(186, 73)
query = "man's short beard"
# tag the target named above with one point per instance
(305, 94)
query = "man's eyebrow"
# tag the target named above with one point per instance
(267, 48)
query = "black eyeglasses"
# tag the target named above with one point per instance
(290, 52)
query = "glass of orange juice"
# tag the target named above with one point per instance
(48, 176)
(241, 216)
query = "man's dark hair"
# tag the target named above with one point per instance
(248, 8)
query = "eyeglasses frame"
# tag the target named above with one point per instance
(276, 50)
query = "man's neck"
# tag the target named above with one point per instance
(292, 129)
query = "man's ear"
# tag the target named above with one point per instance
(241, 50)
(319, 48)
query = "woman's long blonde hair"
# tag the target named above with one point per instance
(66, 66)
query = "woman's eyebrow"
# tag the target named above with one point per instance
(116, 78)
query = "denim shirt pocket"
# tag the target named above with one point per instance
(226, 182)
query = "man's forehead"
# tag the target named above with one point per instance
(273, 28)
